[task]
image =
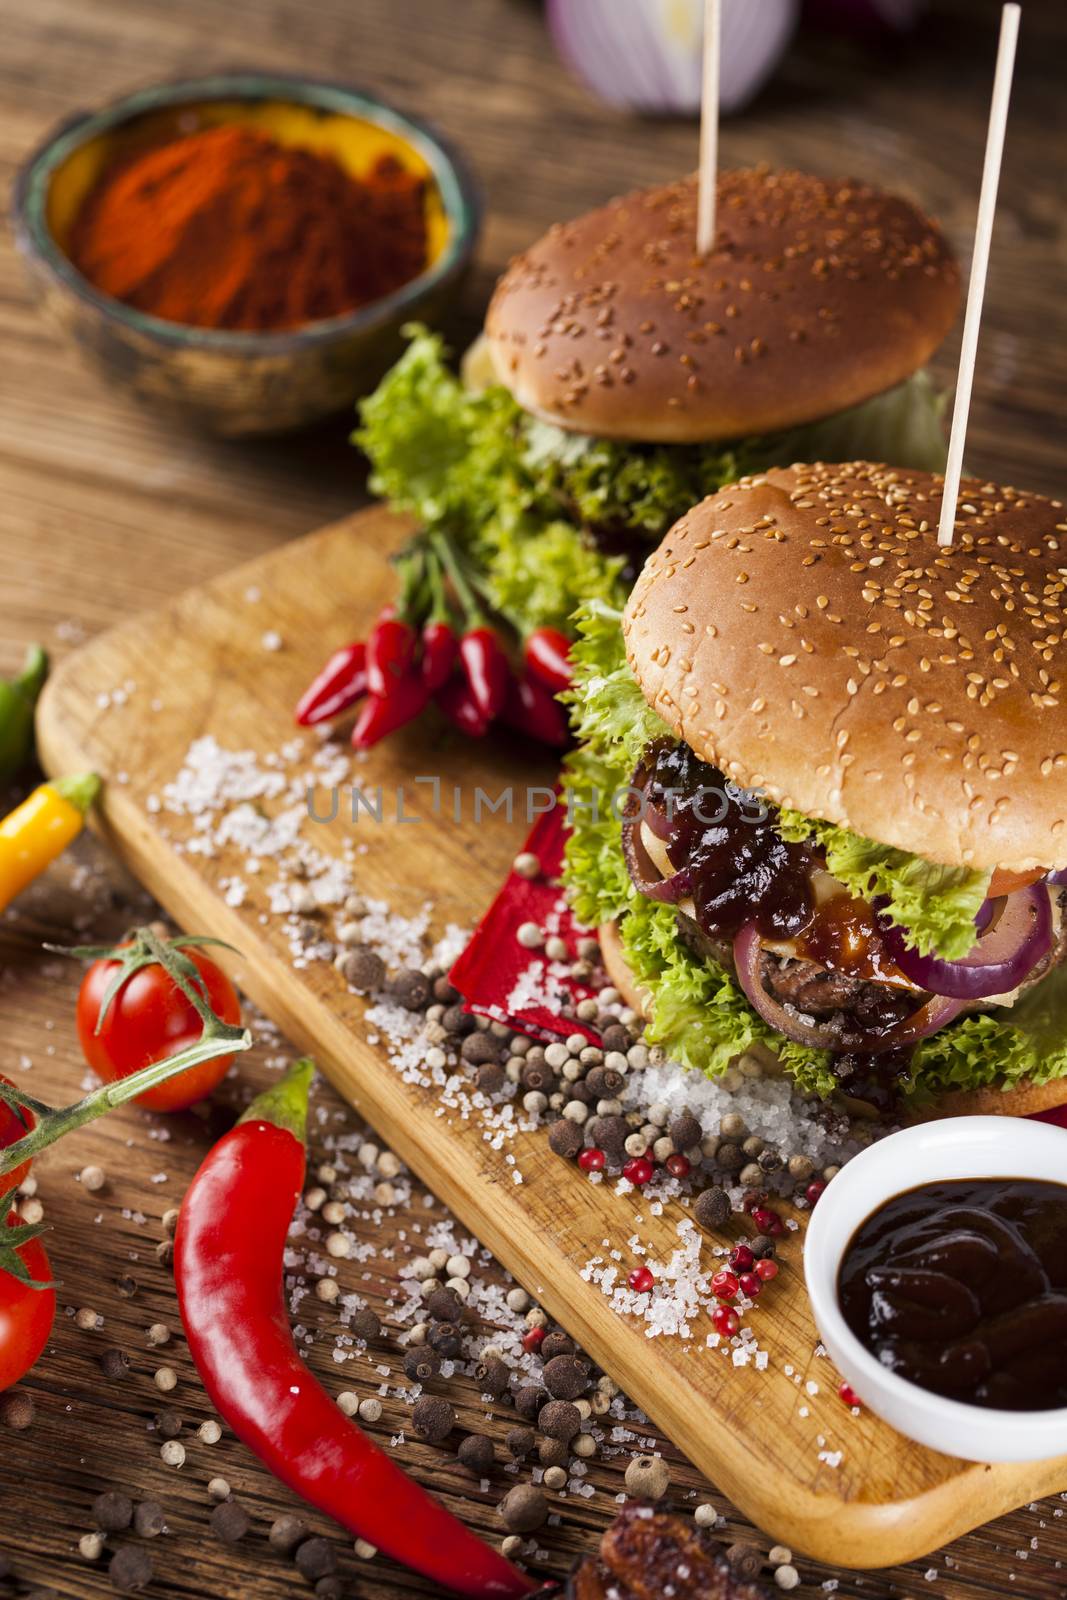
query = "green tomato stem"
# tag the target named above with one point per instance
(217, 1039)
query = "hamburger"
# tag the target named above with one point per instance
(820, 802)
(621, 377)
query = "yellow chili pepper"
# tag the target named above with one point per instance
(41, 828)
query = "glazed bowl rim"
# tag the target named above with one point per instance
(459, 193)
(961, 1147)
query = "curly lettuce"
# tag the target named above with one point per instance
(520, 494)
(935, 906)
(698, 1011)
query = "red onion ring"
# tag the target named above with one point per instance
(934, 1015)
(1059, 878)
(1000, 959)
(644, 874)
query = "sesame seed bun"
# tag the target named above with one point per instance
(818, 295)
(1023, 1099)
(802, 631)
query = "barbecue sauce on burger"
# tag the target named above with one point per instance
(961, 1287)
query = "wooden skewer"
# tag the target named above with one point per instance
(987, 205)
(709, 128)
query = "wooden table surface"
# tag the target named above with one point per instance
(104, 509)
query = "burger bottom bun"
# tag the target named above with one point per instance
(1024, 1100)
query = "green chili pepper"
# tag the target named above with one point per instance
(18, 696)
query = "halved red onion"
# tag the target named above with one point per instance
(927, 1020)
(1003, 955)
(1058, 878)
(644, 874)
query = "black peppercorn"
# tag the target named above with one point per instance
(114, 1363)
(112, 1511)
(565, 1138)
(490, 1078)
(566, 1377)
(149, 1519)
(444, 1337)
(559, 1420)
(712, 1208)
(476, 1454)
(519, 1442)
(494, 1378)
(556, 1344)
(530, 1399)
(745, 1560)
(763, 1247)
(685, 1132)
(433, 1418)
(230, 1521)
(421, 1364)
(366, 1324)
(458, 1021)
(315, 1559)
(524, 1509)
(412, 988)
(478, 1048)
(616, 1037)
(168, 1424)
(131, 1568)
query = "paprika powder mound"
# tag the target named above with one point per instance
(227, 228)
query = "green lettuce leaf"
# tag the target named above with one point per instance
(1026, 1040)
(935, 906)
(516, 492)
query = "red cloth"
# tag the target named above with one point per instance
(497, 976)
(494, 970)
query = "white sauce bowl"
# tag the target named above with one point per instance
(961, 1147)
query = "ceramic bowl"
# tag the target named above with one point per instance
(236, 383)
(962, 1147)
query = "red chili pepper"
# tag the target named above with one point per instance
(548, 656)
(457, 703)
(384, 714)
(228, 1265)
(390, 652)
(439, 649)
(486, 669)
(342, 681)
(530, 708)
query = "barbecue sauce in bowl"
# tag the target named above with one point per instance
(961, 1287)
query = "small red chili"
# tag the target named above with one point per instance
(439, 650)
(229, 1255)
(342, 681)
(486, 669)
(390, 652)
(457, 703)
(384, 714)
(548, 656)
(531, 708)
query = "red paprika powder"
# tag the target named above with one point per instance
(227, 228)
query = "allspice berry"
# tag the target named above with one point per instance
(494, 1377)
(552, 1452)
(565, 1138)
(490, 1077)
(730, 1157)
(524, 1508)
(479, 1048)
(17, 1411)
(746, 1561)
(433, 1418)
(363, 969)
(566, 1377)
(556, 1344)
(476, 1454)
(412, 988)
(421, 1364)
(131, 1568)
(112, 1511)
(315, 1559)
(712, 1208)
(647, 1478)
(530, 1399)
(685, 1132)
(286, 1533)
(519, 1442)
(230, 1521)
(366, 1324)
(445, 1338)
(559, 1420)
(444, 1305)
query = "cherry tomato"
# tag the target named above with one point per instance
(13, 1125)
(1004, 882)
(149, 1019)
(26, 1314)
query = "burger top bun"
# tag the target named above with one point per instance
(818, 294)
(803, 631)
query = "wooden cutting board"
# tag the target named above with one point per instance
(129, 705)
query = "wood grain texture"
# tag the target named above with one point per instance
(104, 509)
(887, 1500)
